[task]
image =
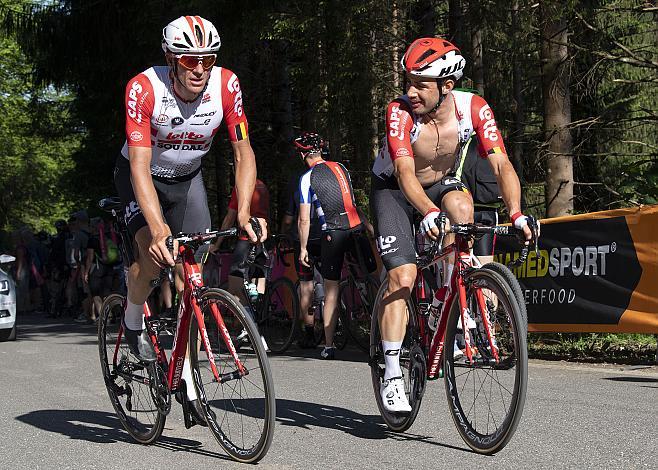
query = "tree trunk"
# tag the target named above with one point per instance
(557, 111)
(456, 22)
(395, 30)
(478, 65)
(518, 127)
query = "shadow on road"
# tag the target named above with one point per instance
(103, 428)
(632, 379)
(307, 415)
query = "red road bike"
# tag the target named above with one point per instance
(235, 389)
(479, 346)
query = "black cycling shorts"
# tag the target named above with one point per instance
(240, 254)
(484, 245)
(183, 202)
(303, 272)
(334, 244)
(394, 217)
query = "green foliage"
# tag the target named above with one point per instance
(36, 130)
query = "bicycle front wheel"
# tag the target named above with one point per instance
(239, 407)
(279, 312)
(356, 300)
(486, 394)
(131, 385)
(412, 363)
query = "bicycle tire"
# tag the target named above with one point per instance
(486, 398)
(133, 402)
(509, 277)
(278, 315)
(356, 311)
(412, 363)
(231, 404)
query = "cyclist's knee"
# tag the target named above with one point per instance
(401, 279)
(459, 206)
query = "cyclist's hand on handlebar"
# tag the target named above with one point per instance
(158, 249)
(245, 223)
(428, 225)
(530, 226)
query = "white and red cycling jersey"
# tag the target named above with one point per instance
(180, 133)
(474, 116)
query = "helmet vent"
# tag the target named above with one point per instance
(199, 35)
(188, 40)
(425, 55)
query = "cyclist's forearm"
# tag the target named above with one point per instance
(510, 187)
(142, 181)
(414, 191)
(303, 227)
(245, 176)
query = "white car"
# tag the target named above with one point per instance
(7, 301)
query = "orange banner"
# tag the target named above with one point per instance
(596, 272)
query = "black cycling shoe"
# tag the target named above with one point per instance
(194, 408)
(139, 344)
(192, 411)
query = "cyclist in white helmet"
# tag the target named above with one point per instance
(426, 130)
(173, 113)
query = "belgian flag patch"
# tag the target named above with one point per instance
(240, 131)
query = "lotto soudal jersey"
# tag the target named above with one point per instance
(327, 186)
(179, 133)
(474, 116)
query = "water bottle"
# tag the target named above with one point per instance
(252, 292)
(435, 308)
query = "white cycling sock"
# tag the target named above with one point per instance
(134, 316)
(392, 359)
(186, 375)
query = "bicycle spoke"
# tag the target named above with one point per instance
(240, 409)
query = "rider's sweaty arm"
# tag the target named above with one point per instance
(508, 181)
(245, 181)
(147, 198)
(405, 172)
(303, 227)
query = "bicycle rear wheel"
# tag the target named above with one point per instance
(279, 312)
(412, 363)
(356, 301)
(486, 395)
(132, 386)
(240, 409)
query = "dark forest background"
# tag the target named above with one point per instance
(573, 85)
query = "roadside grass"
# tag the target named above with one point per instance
(593, 347)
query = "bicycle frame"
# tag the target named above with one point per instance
(189, 306)
(456, 292)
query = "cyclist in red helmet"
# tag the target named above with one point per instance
(426, 130)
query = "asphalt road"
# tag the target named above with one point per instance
(55, 413)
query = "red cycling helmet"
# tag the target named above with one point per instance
(433, 58)
(309, 142)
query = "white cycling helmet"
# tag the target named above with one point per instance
(433, 58)
(190, 35)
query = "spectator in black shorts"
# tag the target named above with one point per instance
(328, 187)
(304, 273)
(98, 272)
(260, 208)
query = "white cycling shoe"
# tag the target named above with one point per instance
(393, 396)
